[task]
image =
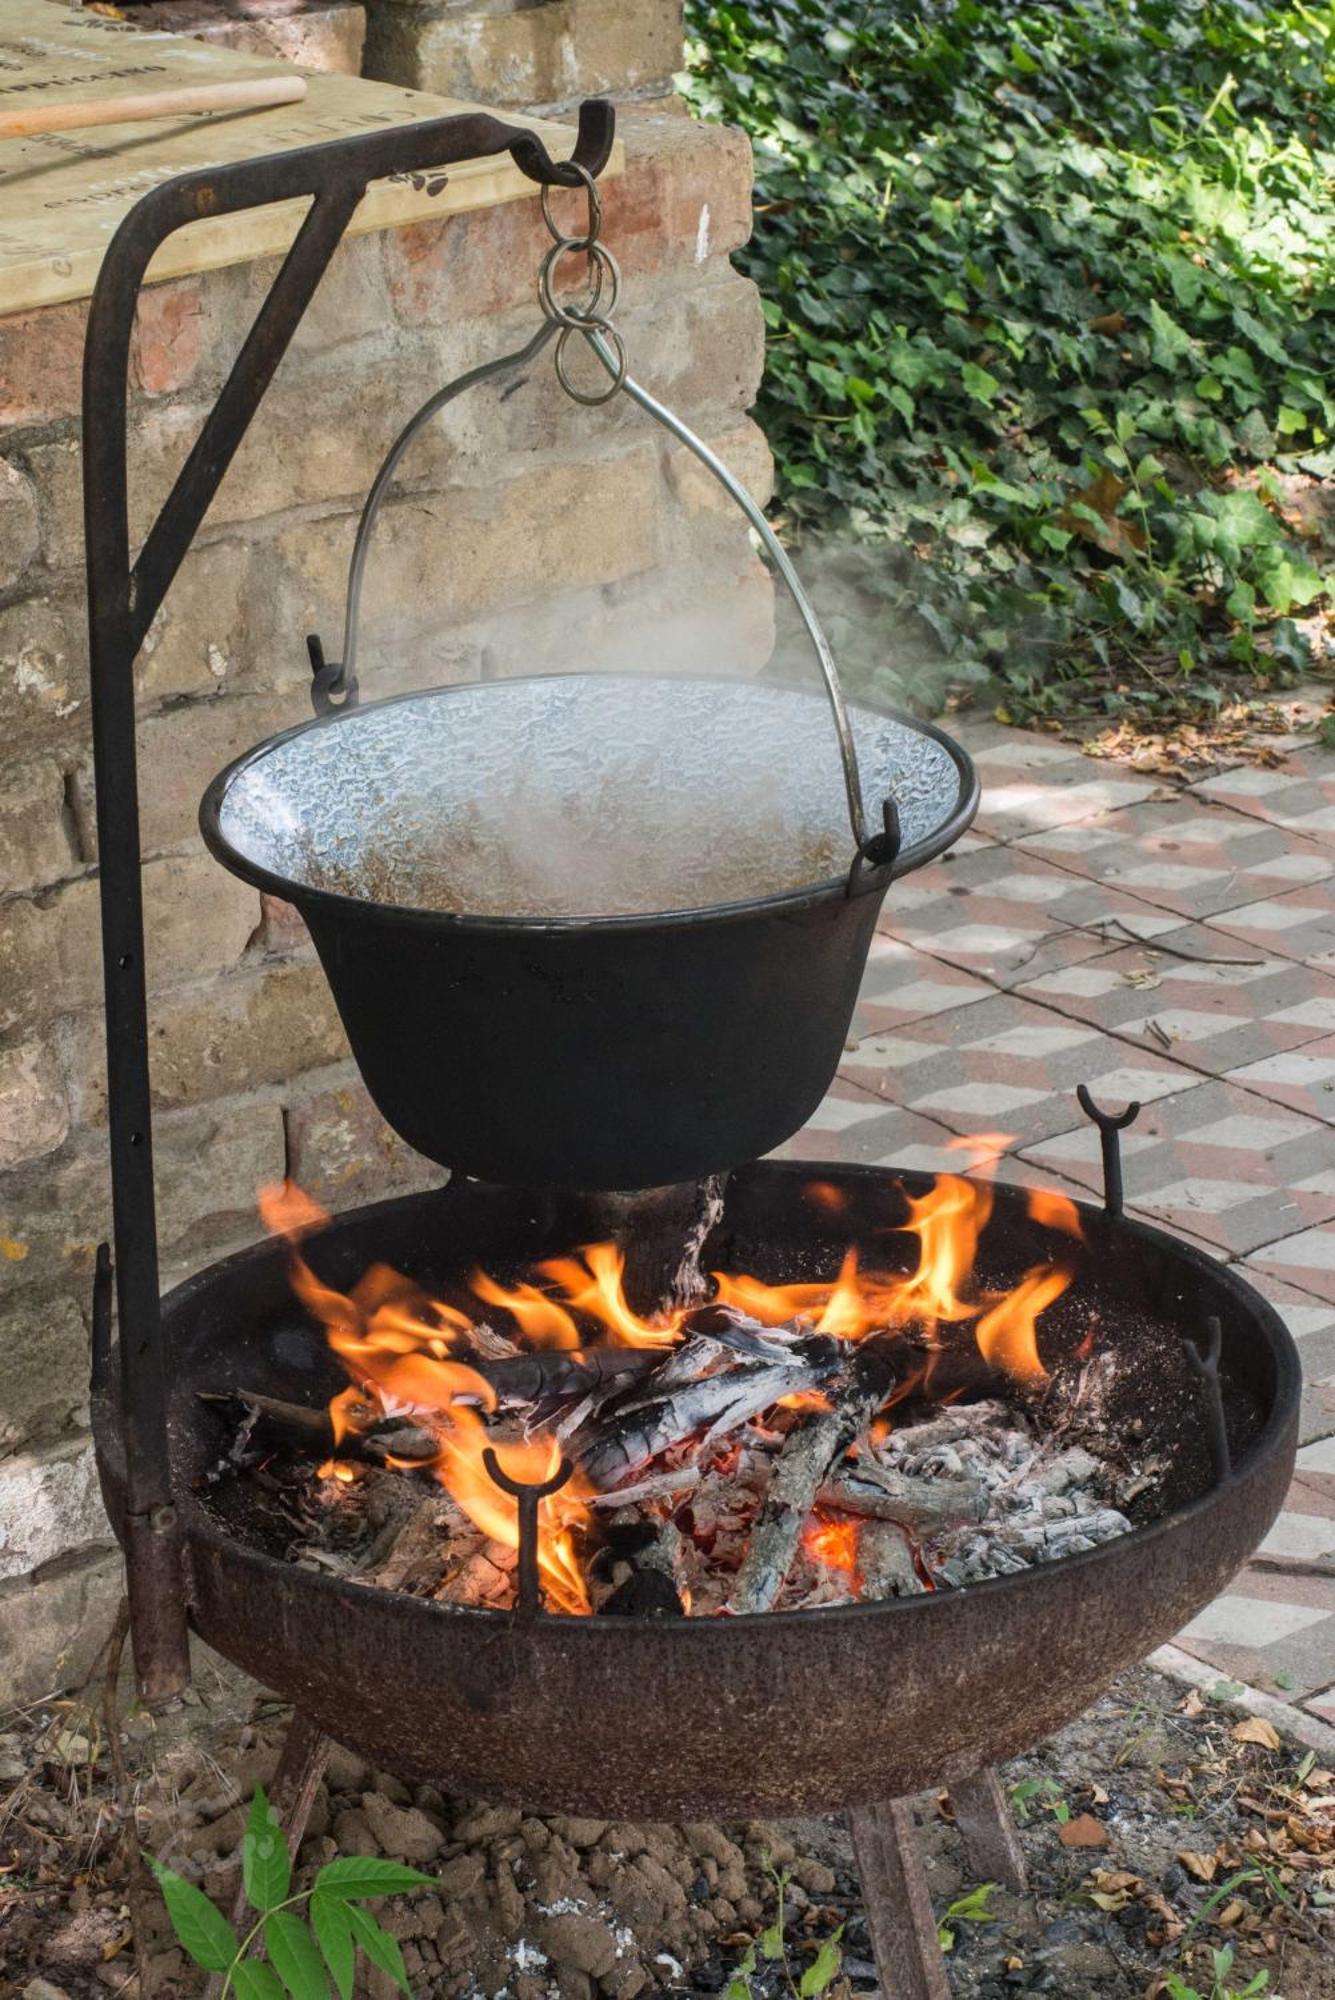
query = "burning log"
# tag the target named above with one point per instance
(268, 1425)
(885, 1564)
(803, 1464)
(872, 1490)
(714, 1404)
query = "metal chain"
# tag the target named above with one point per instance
(589, 315)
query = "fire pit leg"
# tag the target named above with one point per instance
(898, 1905)
(987, 1829)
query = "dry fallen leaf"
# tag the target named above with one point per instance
(1230, 1913)
(1256, 1730)
(1194, 1704)
(1083, 1831)
(1202, 1866)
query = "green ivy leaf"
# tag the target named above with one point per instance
(1168, 341)
(333, 1929)
(252, 1980)
(201, 1930)
(293, 1955)
(382, 1949)
(355, 1877)
(978, 383)
(266, 1870)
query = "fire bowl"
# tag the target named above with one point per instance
(681, 1718)
(590, 930)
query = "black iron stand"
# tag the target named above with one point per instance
(124, 594)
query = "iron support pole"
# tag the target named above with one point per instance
(123, 597)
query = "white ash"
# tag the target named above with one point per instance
(1045, 1499)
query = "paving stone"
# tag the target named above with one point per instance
(1303, 1077)
(1208, 1012)
(1009, 917)
(1300, 925)
(902, 985)
(1030, 785)
(1311, 1321)
(1268, 1624)
(1216, 1161)
(1180, 855)
(1009, 1063)
(1306, 1259)
(1298, 795)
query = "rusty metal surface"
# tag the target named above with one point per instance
(681, 1718)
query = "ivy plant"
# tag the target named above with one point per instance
(1050, 300)
(304, 1951)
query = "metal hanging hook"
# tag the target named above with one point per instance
(528, 1596)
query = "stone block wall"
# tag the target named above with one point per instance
(517, 52)
(520, 525)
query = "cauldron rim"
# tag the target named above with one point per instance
(336, 903)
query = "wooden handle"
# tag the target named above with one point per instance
(250, 94)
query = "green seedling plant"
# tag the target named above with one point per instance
(1031, 1793)
(772, 1946)
(971, 1908)
(303, 1956)
(1221, 1967)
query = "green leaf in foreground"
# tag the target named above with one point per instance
(333, 1928)
(823, 1967)
(252, 1980)
(358, 1876)
(266, 1871)
(293, 1955)
(379, 1946)
(201, 1929)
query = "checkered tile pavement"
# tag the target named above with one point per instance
(1176, 946)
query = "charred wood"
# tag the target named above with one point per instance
(872, 1490)
(715, 1405)
(803, 1464)
(641, 1560)
(885, 1562)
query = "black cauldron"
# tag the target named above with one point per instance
(590, 930)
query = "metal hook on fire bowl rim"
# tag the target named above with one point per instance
(1110, 1124)
(1204, 1365)
(528, 1599)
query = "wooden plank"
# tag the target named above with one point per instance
(62, 195)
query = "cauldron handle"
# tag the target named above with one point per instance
(874, 853)
(877, 849)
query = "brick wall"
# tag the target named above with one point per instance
(517, 522)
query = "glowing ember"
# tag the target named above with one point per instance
(835, 1544)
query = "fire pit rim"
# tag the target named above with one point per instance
(1280, 1419)
(807, 896)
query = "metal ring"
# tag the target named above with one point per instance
(602, 264)
(610, 337)
(595, 223)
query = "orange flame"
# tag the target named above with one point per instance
(592, 1284)
(541, 1320)
(1007, 1336)
(403, 1349)
(1055, 1211)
